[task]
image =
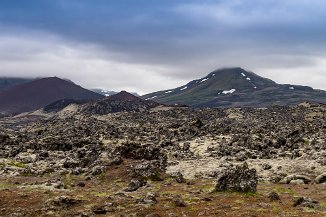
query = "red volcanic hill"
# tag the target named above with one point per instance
(123, 96)
(39, 93)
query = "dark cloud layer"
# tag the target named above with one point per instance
(130, 44)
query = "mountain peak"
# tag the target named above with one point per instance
(230, 69)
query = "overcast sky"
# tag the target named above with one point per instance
(149, 45)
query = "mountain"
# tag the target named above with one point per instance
(6, 82)
(108, 92)
(121, 102)
(41, 92)
(236, 87)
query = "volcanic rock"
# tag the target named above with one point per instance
(237, 178)
(321, 178)
(135, 184)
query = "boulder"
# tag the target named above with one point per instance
(321, 178)
(178, 177)
(290, 178)
(97, 170)
(135, 184)
(148, 169)
(64, 201)
(297, 182)
(179, 202)
(98, 209)
(306, 202)
(237, 178)
(141, 152)
(273, 196)
(266, 166)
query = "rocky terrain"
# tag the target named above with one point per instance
(121, 102)
(165, 161)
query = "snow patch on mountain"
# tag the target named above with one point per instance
(151, 98)
(229, 91)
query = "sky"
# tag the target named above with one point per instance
(149, 45)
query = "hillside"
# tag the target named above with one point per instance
(236, 87)
(39, 93)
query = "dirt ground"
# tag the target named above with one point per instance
(30, 196)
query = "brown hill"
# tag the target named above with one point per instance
(123, 96)
(39, 93)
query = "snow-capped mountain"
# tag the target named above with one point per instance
(233, 87)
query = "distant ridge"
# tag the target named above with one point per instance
(38, 93)
(121, 102)
(236, 87)
(109, 93)
(6, 82)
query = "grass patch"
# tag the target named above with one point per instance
(240, 202)
(307, 209)
(170, 193)
(323, 204)
(277, 209)
(207, 188)
(89, 205)
(306, 141)
(245, 194)
(118, 180)
(28, 188)
(17, 164)
(100, 194)
(168, 180)
(192, 200)
(5, 186)
(251, 194)
(192, 209)
(284, 190)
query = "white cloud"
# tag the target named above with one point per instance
(313, 76)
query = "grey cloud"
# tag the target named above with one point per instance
(166, 41)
